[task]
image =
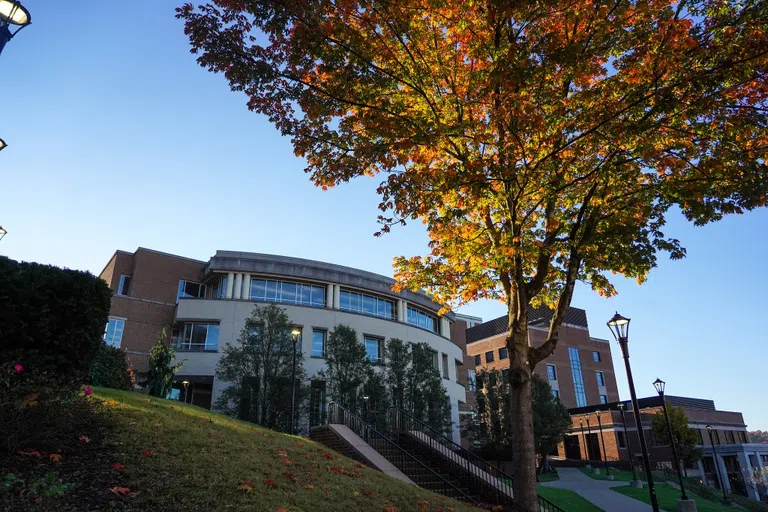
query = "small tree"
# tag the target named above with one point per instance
(375, 399)
(685, 437)
(161, 370)
(427, 399)
(347, 368)
(110, 369)
(397, 360)
(551, 420)
(259, 371)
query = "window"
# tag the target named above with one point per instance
(503, 353)
(471, 382)
(265, 290)
(729, 437)
(701, 435)
(578, 379)
(603, 399)
(366, 304)
(125, 283)
(435, 361)
(556, 393)
(190, 289)
(445, 366)
(318, 343)
(622, 439)
(742, 437)
(221, 289)
(478, 361)
(716, 436)
(113, 334)
(421, 319)
(551, 372)
(489, 357)
(600, 379)
(373, 349)
(198, 337)
(596, 357)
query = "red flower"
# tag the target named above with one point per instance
(88, 391)
(18, 368)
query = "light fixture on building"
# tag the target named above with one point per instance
(660, 385)
(619, 327)
(12, 13)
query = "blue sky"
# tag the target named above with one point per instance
(117, 139)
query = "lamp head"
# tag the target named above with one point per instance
(3, 145)
(185, 383)
(295, 332)
(659, 385)
(620, 406)
(709, 428)
(11, 11)
(619, 327)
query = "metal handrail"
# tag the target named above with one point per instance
(422, 476)
(500, 484)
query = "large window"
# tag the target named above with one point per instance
(198, 337)
(366, 304)
(603, 399)
(578, 379)
(445, 366)
(421, 319)
(551, 372)
(125, 283)
(373, 349)
(600, 378)
(489, 357)
(503, 353)
(265, 290)
(471, 382)
(622, 440)
(318, 343)
(113, 334)
(729, 438)
(190, 289)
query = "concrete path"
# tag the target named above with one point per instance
(597, 491)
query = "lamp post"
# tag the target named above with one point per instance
(726, 499)
(3, 145)
(635, 481)
(365, 408)
(3, 232)
(295, 333)
(660, 385)
(12, 13)
(602, 441)
(185, 383)
(619, 327)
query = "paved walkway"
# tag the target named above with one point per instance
(597, 491)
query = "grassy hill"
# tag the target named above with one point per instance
(152, 454)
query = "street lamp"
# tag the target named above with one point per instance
(726, 499)
(365, 409)
(3, 232)
(295, 333)
(635, 482)
(186, 385)
(3, 145)
(12, 13)
(608, 474)
(619, 327)
(660, 385)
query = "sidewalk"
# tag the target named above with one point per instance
(597, 491)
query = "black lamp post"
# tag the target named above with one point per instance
(726, 499)
(659, 385)
(589, 431)
(295, 333)
(12, 13)
(619, 326)
(185, 383)
(626, 438)
(602, 441)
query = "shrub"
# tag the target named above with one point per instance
(160, 372)
(51, 322)
(110, 369)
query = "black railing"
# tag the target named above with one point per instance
(480, 476)
(421, 474)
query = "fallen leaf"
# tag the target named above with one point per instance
(31, 453)
(256, 450)
(246, 486)
(147, 453)
(336, 469)
(55, 457)
(299, 443)
(118, 491)
(309, 486)
(389, 508)
(85, 439)
(218, 436)
(361, 466)
(287, 461)
(283, 453)
(290, 476)
(328, 456)
(117, 466)
(269, 482)
(132, 423)
(157, 425)
(367, 492)
(30, 400)
(282, 509)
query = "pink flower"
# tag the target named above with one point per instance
(88, 391)
(18, 368)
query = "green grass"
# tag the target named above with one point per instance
(618, 475)
(668, 497)
(567, 500)
(204, 461)
(548, 476)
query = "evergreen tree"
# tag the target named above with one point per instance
(259, 371)
(426, 397)
(551, 420)
(347, 368)
(160, 371)
(397, 360)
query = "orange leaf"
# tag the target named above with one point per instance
(256, 450)
(367, 492)
(299, 443)
(389, 508)
(118, 491)
(282, 509)
(117, 466)
(269, 482)
(31, 453)
(246, 486)
(55, 457)
(328, 456)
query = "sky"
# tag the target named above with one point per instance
(117, 139)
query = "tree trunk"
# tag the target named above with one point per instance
(521, 413)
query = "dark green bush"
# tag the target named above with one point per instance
(110, 369)
(51, 322)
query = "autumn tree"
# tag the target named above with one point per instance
(541, 143)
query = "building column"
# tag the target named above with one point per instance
(230, 284)
(238, 285)
(455, 429)
(246, 287)
(702, 472)
(404, 319)
(400, 309)
(445, 327)
(336, 296)
(723, 472)
(329, 297)
(744, 463)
